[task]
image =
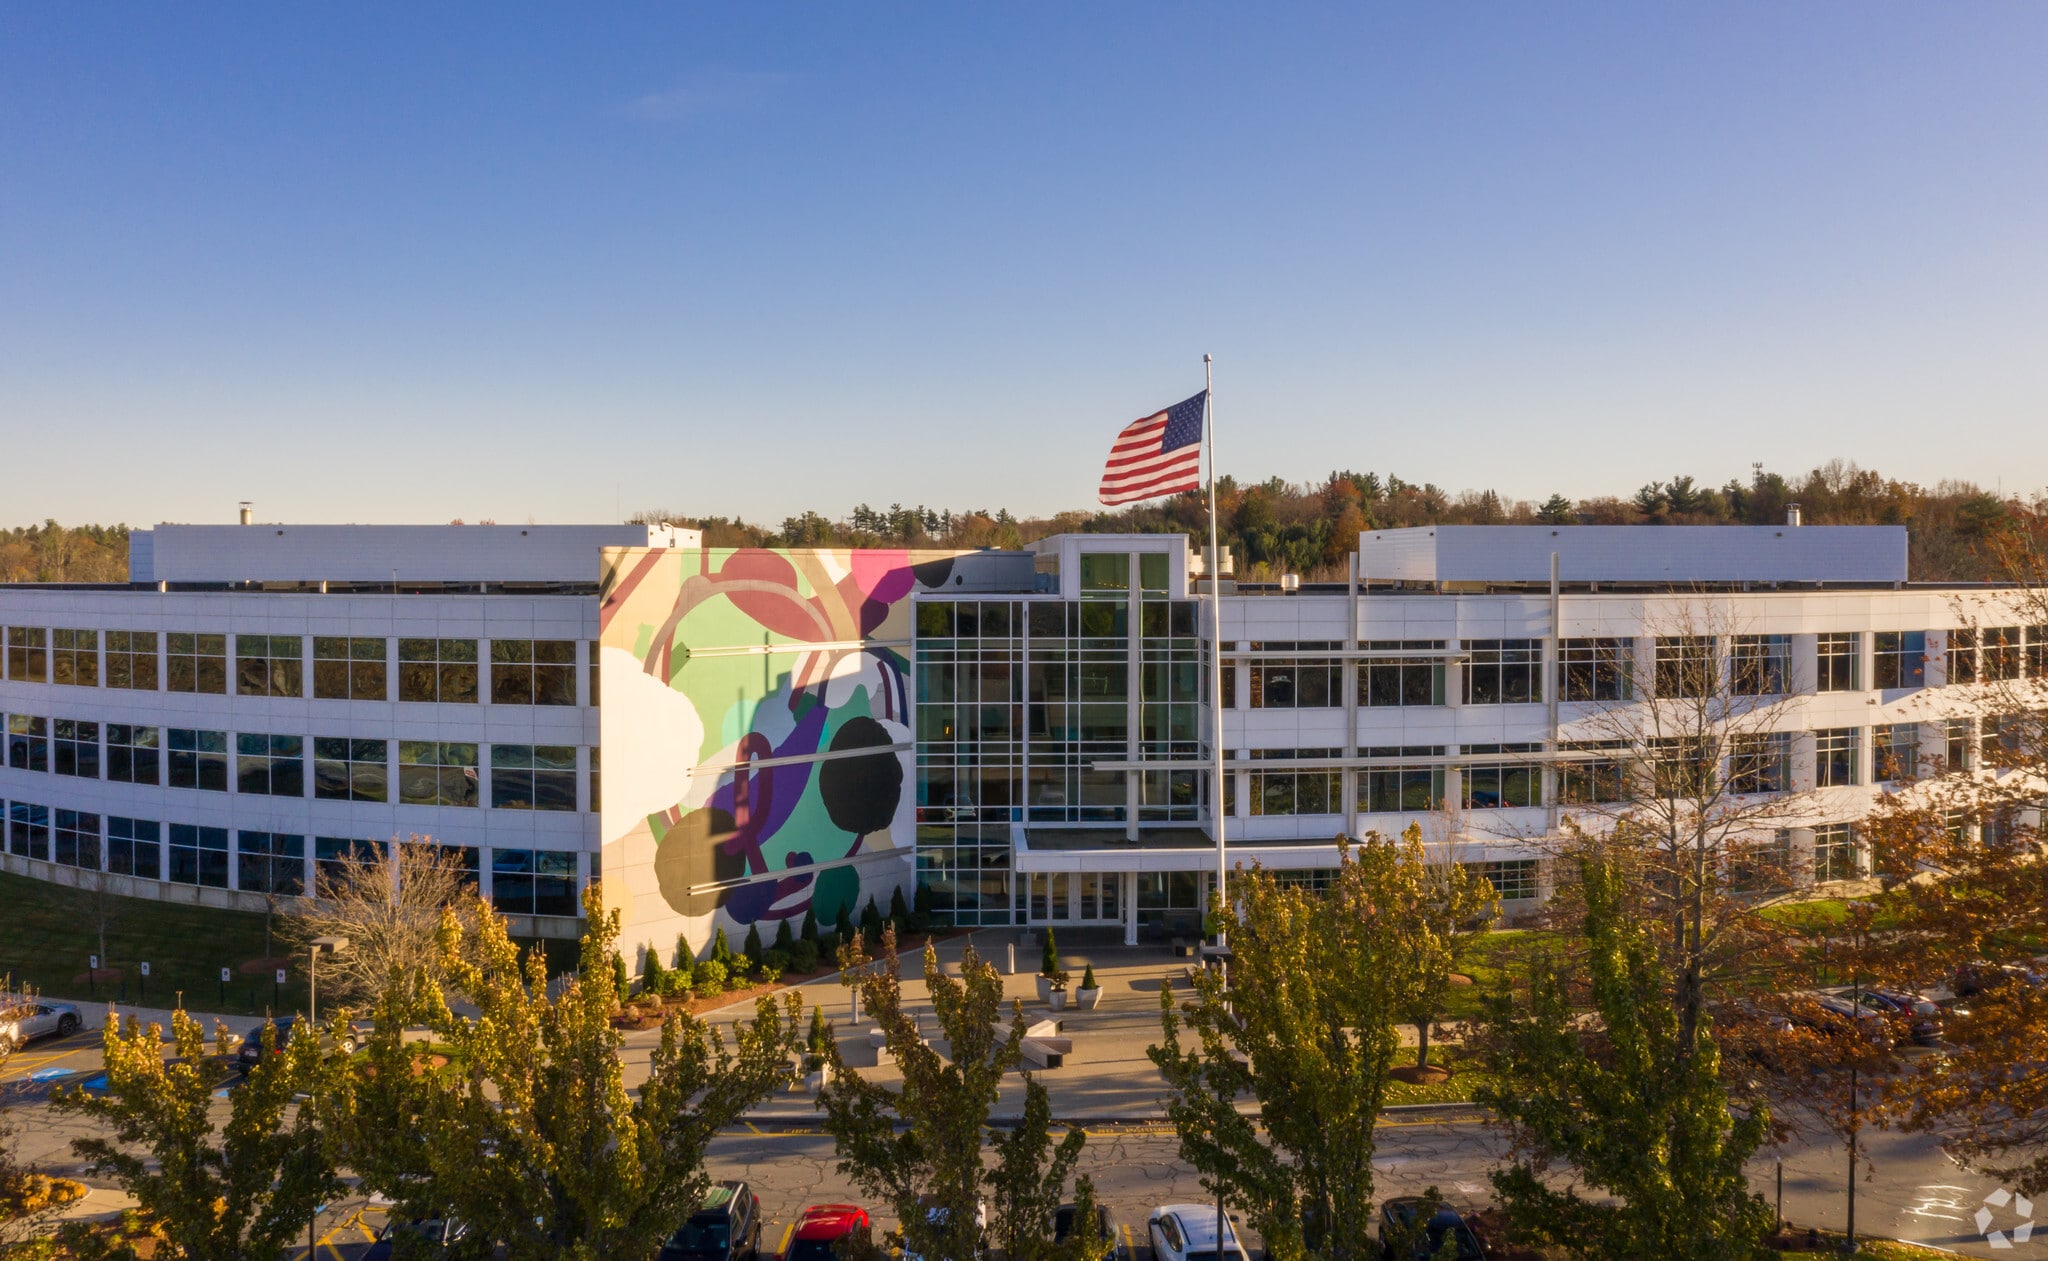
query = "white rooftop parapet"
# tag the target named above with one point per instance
(375, 553)
(1636, 553)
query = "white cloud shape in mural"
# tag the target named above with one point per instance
(650, 772)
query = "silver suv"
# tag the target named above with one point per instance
(38, 1018)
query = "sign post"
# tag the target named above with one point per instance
(276, 984)
(92, 968)
(144, 983)
(223, 989)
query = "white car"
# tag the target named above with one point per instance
(1187, 1232)
(18, 1025)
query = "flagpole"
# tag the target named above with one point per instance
(1215, 568)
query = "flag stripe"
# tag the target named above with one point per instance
(1156, 455)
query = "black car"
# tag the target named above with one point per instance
(426, 1238)
(1404, 1235)
(1918, 1014)
(726, 1228)
(251, 1049)
(1107, 1227)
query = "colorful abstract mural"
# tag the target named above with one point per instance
(756, 728)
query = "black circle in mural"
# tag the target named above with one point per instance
(861, 792)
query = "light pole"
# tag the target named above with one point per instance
(314, 949)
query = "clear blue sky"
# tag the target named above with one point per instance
(436, 261)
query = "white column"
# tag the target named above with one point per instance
(1129, 880)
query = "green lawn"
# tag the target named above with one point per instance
(47, 933)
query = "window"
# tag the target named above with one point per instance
(1308, 684)
(1836, 855)
(1384, 682)
(1899, 659)
(533, 777)
(75, 841)
(28, 831)
(131, 660)
(2002, 653)
(1835, 660)
(1595, 780)
(594, 779)
(1685, 667)
(1401, 789)
(595, 691)
(351, 770)
(28, 654)
(348, 668)
(533, 882)
(1962, 656)
(1760, 763)
(1682, 767)
(1297, 792)
(1105, 571)
(75, 748)
(436, 774)
(335, 857)
(1834, 757)
(270, 862)
(269, 665)
(1955, 751)
(199, 856)
(1503, 671)
(1895, 752)
(1760, 665)
(533, 671)
(442, 670)
(1761, 865)
(1512, 881)
(135, 848)
(270, 766)
(75, 657)
(196, 663)
(28, 742)
(133, 756)
(198, 759)
(1594, 669)
(1499, 785)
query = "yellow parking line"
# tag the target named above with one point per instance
(783, 1247)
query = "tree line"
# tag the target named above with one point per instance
(1276, 526)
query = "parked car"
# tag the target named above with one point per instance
(727, 1227)
(1836, 1015)
(936, 1214)
(21, 1024)
(821, 1226)
(1188, 1232)
(251, 1050)
(1980, 976)
(1404, 1235)
(1918, 1015)
(428, 1237)
(1115, 1246)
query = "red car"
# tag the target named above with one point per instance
(821, 1226)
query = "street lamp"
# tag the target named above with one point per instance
(317, 947)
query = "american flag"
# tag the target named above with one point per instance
(1160, 454)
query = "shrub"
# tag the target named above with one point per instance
(711, 978)
(1049, 956)
(921, 910)
(776, 961)
(651, 971)
(842, 923)
(752, 949)
(622, 980)
(810, 930)
(685, 973)
(721, 949)
(871, 920)
(899, 911)
(674, 984)
(784, 939)
(820, 1036)
(803, 956)
(828, 946)
(767, 974)
(1088, 978)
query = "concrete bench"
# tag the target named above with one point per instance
(1045, 1046)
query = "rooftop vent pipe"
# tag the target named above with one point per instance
(1792, 515)
(1290, 583)
(248, 513)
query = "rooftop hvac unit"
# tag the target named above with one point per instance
(1290, 583)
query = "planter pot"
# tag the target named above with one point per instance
(1044, 988)
(1058, 999)
(1086, 999)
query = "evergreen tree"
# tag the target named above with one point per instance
(810, 930)
(871, 921)
(842, 924)
(1048, 956)
(785, 941)
(899, 911)
(752, 948)
(651, 971)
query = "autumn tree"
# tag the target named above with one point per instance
(239, 1191)
(527, 1132)
(389, 901)
(1450, 908)
(1961, 850)
(919, 1147)
(1307, 1026)
(1624, 1100)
